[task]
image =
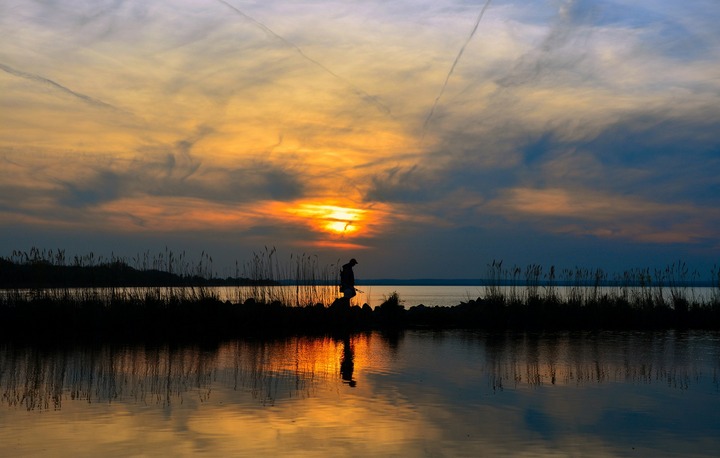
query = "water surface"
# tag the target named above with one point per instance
(410, 394)
(373, 295)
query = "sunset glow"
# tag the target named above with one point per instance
(335, 126)
(331, 218)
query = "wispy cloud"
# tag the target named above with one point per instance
(46, 81)
(590, 119)
(581, 211)
(358, 91)
(454, 64)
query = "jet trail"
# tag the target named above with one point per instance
(359, 92)
(49, 82)
(452, 68)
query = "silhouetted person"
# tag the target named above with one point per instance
(347, 281)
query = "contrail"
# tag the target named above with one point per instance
(49, 82)
(452, 68)
(359, 92)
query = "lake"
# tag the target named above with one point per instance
(374, 295)
(414, 393)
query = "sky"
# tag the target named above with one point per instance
(423, 138)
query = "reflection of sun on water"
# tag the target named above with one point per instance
(319, 358)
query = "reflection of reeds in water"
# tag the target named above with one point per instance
(669, 358)
(265, 371)
(42, 379)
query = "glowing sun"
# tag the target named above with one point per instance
(332, 218)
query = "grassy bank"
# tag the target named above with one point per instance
(513, 298)
(206, 317)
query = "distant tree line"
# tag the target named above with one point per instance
(49, 269)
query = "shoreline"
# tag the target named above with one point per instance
(208, 318)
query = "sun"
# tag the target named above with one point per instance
(342, 220)
(332, 219)
(339, 227)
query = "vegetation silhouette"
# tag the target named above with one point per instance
(50, 269)
(88, 299)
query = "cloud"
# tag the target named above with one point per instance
(561, 54)
(241, 113)
(258, 181)
(581, 212)
(104, 186)
(454, 64)
(46, 81)
(399, 184)
(357, 90)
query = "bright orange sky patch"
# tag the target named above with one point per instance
(332, 219)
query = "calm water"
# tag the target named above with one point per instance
(411, 295)
(412, 394)
(372, 295)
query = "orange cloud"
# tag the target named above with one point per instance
(173, 214)
(581, 203)
(607, 215)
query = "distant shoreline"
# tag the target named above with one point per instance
(35, 275)
(41, 269)
(507, 282)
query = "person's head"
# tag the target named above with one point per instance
(353, 262)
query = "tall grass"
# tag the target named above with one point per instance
(301, 281)
(529, 297)
(174, 296)
(674, 287)
(163, 278)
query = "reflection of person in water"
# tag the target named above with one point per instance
(347, 281)
(347, 365)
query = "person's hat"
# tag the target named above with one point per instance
(353, 261)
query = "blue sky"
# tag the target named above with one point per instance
(567, 132)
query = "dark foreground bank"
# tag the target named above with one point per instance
(205, 317)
